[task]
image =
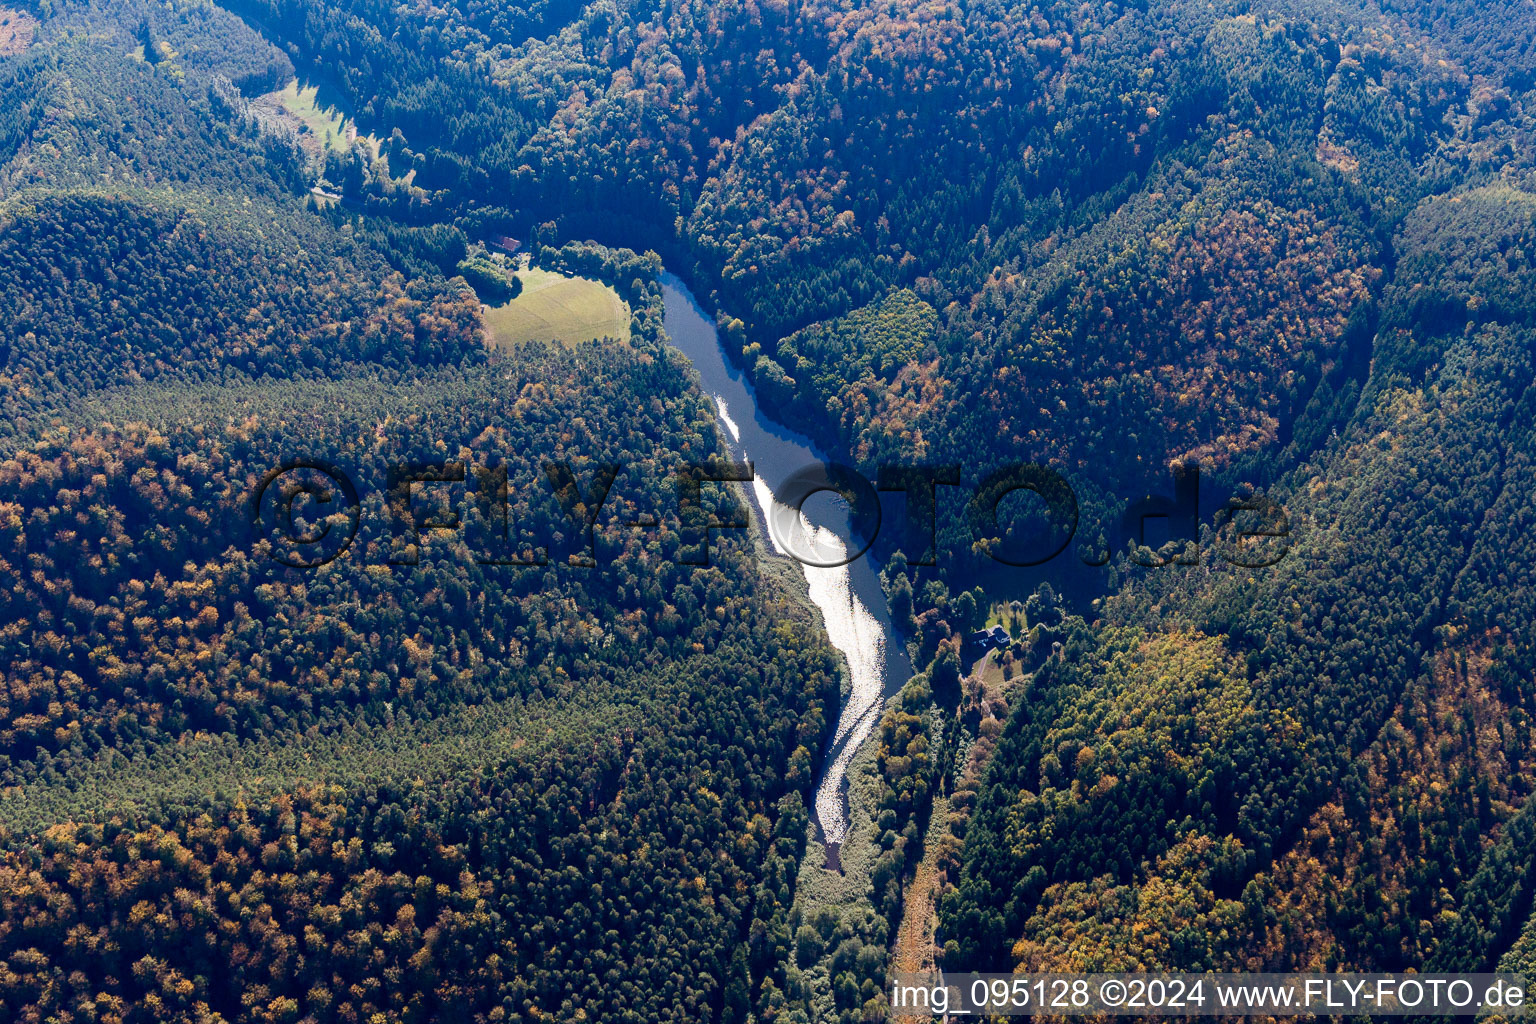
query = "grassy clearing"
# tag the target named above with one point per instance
(327, 126)
(17, 30)
(556, 308)
(1005, 614)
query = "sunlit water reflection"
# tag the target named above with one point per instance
(850, 599)
(852, 630)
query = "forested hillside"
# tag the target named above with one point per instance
(1157, 229)
(1371, 695)
(417, 782)
(1292, 243)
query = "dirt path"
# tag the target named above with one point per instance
(914, 938)
(915, 950)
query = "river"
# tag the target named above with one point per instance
(849, 597)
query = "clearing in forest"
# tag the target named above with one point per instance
(327, 126)
(17, 28)
(554, 307)
(315, 111)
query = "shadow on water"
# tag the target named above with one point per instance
(850, 597)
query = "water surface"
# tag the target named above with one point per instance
(851, 601)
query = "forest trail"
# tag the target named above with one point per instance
(989, 689)
(915, 950)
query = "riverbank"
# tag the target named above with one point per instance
(849, 597)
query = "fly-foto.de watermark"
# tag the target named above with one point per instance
(309, 511)
(954, 996)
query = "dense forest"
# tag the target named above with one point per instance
(513, 755)
(423, 781)
(1367, 755)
